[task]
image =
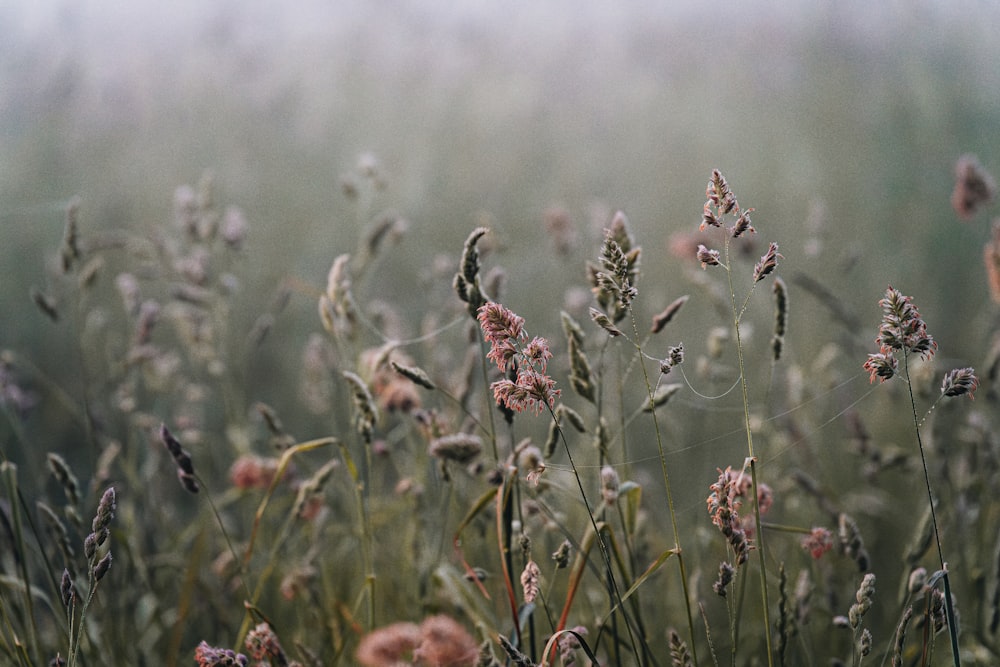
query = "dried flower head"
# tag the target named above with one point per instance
(365, 410)
(902, 329)
(723, 504)
(530, 577)
(726, 574)
(768, 262)
(817, 542)
(530, 388)
(459, 447)
(185, 467)
(991, 259)
(974, 187)
(719, 194)
(466, 281)
(960, 381)
(445, 643)
(864, 597)
(609, 485)
(707, 257)
(663, 319)
(263, 644)
(209, 656)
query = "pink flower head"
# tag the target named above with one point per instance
(960, 381)
(902, 328)
(499, 322)
(881, 365)
(768, 262)
(707, 257)
(537, 350)
(818, 542)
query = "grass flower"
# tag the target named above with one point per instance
(974, 187)
(531, 389)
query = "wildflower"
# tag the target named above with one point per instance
(881, 365)
(818, 542)
(185, 467)
(707, 257)
(663, 319)
(960, 381)
(208, 656)
(719, 194)
(768, 262)
(609, 485)
(531, 391)
(568, 643)
(253, 472)
(726, 574)
(561, 555)
(529, 581)
(974, 187)
(538, 351)
(680, 655)
(723, 505)
(499, 323)
(459, 447)
(866, 591)
(466, 281)
(902, 329)
(445, 643)
(366, 412)
(102, 567)
(67, 589)
(742, 224)
(530, 388)
(708, 218)
(263, 643)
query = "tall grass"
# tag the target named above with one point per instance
(451, 491)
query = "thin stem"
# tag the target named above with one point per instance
(670, 495)
(949, 608)
(737, 314)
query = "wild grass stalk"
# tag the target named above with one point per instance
(722, 202)
(903, 331)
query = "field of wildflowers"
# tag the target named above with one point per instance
(543, 431)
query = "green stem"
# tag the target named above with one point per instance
(753, 461)
(670, 495)
(949, 608)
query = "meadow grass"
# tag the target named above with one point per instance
(474, 495)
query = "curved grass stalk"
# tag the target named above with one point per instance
(670, 496)
(279, 473)
(949, 607)
(751, 457)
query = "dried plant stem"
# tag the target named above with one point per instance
(949, 607)
(737, 315)
(612, 582)
(279, 473)
(670, 495)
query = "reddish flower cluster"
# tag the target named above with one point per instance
(208, 656)
(723, 503)
(439, 641)
(818, 542)
(253, 472)
(531, 388)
